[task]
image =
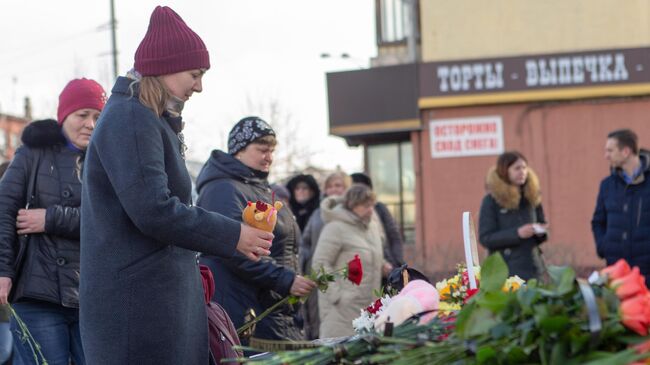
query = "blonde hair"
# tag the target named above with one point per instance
(356, 195)
(347, 181)
(153, 94)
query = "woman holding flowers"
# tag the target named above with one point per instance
(349, 231)
(512, 220)
(227, 182)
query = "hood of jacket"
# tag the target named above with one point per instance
(508, 196)
(43, 133)
(221, 165)
(312, 203)
(332, 209)
(644, 158)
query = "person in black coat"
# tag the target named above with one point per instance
(305, 198)
(227, 182)
(621, 220)
(141, 296)
(511, 220)
(44, 278)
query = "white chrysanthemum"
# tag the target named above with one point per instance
(365, 322)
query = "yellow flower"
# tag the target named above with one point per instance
(513, 283)
(445, 308)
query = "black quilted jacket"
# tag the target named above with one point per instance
(51, 266)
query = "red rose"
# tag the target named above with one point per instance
(465, 279)
(634, 313)
(470, 293)
(630, 285)
(355, 270)
(616, 271)
(375, 307)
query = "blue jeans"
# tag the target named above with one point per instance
(5, 342)
(55, 328)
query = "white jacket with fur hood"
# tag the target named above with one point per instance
(345, 235)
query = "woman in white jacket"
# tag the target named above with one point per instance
(349, 230)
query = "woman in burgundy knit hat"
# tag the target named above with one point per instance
(141, 294)
(39, 273)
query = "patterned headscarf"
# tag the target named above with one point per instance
(246, 131)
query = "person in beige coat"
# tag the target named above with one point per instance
(349, 230)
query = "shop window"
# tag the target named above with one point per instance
(391, 168)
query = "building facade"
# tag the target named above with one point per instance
(464, 81)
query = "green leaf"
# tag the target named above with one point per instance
(558, 354)
(494, 273)
(486, 355)
(553, 324)
(516, 355)
(563, 277)
(463, 317)
(479, 322)
(620, 358)
(293, 300)
(495, 300)
(501, 330)
(527, 296)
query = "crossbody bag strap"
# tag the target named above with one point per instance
(31, 186)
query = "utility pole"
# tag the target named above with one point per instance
(114, 40)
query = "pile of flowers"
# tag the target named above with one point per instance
(456, 291)
(603, 321)
(447, 299)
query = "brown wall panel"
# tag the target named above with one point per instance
(564, 143)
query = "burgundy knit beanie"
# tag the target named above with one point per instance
(80, 94)
(169, 46)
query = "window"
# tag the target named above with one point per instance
(390, 167)
(393, 21)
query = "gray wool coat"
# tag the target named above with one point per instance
(141, 298)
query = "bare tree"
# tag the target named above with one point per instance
(292, 155)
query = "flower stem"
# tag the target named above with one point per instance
(27, 336)
(268, 311)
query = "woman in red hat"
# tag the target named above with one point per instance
(40, 196)
(141, 294)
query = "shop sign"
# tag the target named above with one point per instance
(461, 137)
(614, 72)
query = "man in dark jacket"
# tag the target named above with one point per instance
(621, 221)
(227, 182)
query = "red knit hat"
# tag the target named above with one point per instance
(80, 94)
(169, 46)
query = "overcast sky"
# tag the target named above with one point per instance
(260, 50)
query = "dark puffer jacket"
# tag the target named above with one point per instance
(503, 210)
(621, 220)
(225, 185)
(51, 268)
